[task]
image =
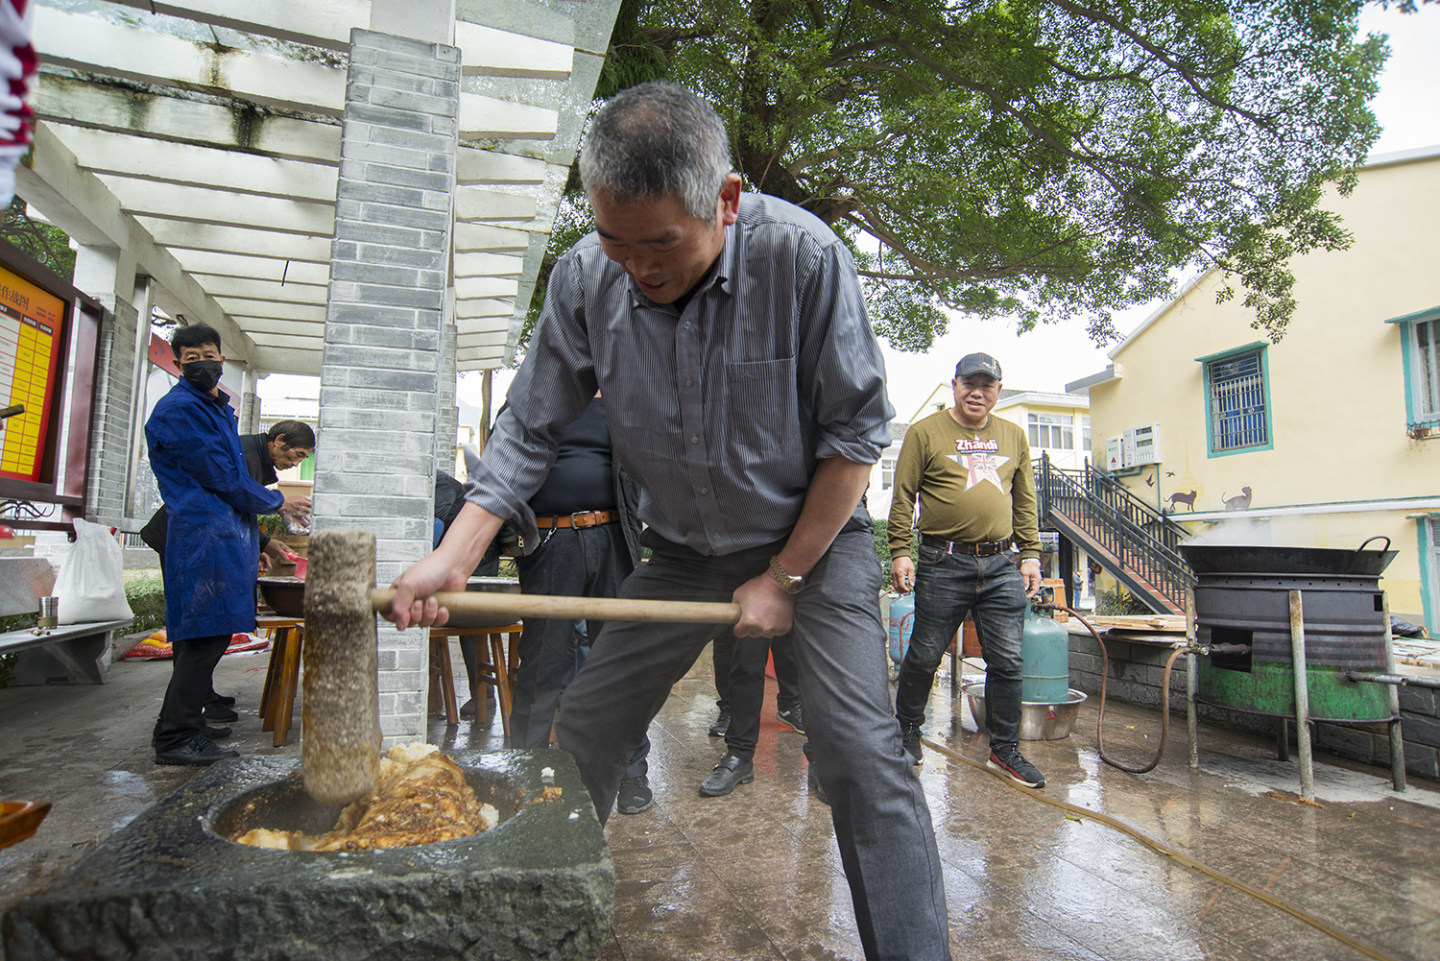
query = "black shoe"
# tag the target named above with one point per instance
(732, 770)
(817, 790)
(216, 733)
(197, 752)
(1007, 759)
(220, 714)
(910, 738)
(793, 716)
(721, 725)
(635, 795)
(225, 700)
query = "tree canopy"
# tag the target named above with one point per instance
(1045, 160)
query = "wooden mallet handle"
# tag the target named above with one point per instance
(520, 606)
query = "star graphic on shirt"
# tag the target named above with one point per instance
(981, 467)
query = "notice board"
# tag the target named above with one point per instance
(32, 331)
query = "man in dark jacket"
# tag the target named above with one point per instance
(211, 543)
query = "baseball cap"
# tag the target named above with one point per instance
(978, 363)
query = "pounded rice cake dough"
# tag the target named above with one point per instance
(421, 797)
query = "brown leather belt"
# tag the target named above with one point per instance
(978, 549)
(577, 519)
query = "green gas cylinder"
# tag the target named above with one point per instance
(1045, 659)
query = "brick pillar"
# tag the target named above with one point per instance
(379, 380)
(447, 414)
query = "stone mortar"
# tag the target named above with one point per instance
(539, 885)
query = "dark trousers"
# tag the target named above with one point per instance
(947, 587)
(190, 671)
(882, 822)
(740, 682)
(572, 562)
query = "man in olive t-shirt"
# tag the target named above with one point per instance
(976, 489)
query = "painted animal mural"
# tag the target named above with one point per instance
(1239, 502)
(1183, 497)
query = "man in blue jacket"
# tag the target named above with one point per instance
(211, 547)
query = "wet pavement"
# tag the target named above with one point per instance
(1220, 862)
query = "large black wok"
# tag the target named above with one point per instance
(1220, 559)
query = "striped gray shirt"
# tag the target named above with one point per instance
(720, 411)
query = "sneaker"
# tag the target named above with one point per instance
(910, 738)
(793, 716)
(721, 725)
(196, 752)
(635, 795)
(216, 733)
(1007, 759)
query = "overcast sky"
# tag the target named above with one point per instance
(1046, 359)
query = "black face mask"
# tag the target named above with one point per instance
(203, 375)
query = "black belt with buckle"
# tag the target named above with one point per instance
(977, 549)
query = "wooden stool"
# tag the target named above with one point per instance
(442, 674)
(282, 676)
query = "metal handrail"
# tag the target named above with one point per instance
(1143, 539)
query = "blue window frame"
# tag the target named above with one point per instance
(1237, 399)
(1420, 353)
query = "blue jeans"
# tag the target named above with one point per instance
(882, 823)
(947, 587)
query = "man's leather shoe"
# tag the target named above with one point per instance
(196, 752)
(732, 770)
(224, 699)
(220, 714)
(216, 733)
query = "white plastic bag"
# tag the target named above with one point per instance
(91, 583)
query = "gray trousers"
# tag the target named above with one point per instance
(882, 823)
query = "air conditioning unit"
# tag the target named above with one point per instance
(1142, 445)
(1114, 453)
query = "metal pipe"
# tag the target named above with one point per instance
(1302, 697)
(1398, 680)
(1397, 738)
(1192, 724)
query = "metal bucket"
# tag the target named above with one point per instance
(1038, 722)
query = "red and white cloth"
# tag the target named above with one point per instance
(17, 66)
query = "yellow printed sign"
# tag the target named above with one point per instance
(31, 324)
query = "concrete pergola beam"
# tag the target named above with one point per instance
(86, 41)
(205, 205)
(486, 51)
(77, 202)
(181, 233)
(247, 288)
(146, 158)
(215, 264)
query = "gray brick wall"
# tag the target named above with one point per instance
(1136, 670)
(384, 376)
(447, 414)
(110, 421)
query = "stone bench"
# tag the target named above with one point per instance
(68, 654)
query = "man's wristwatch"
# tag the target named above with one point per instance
(789, 583)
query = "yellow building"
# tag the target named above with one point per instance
(1325, 439)
(1056, 424)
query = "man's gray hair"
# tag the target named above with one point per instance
(656, 140)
